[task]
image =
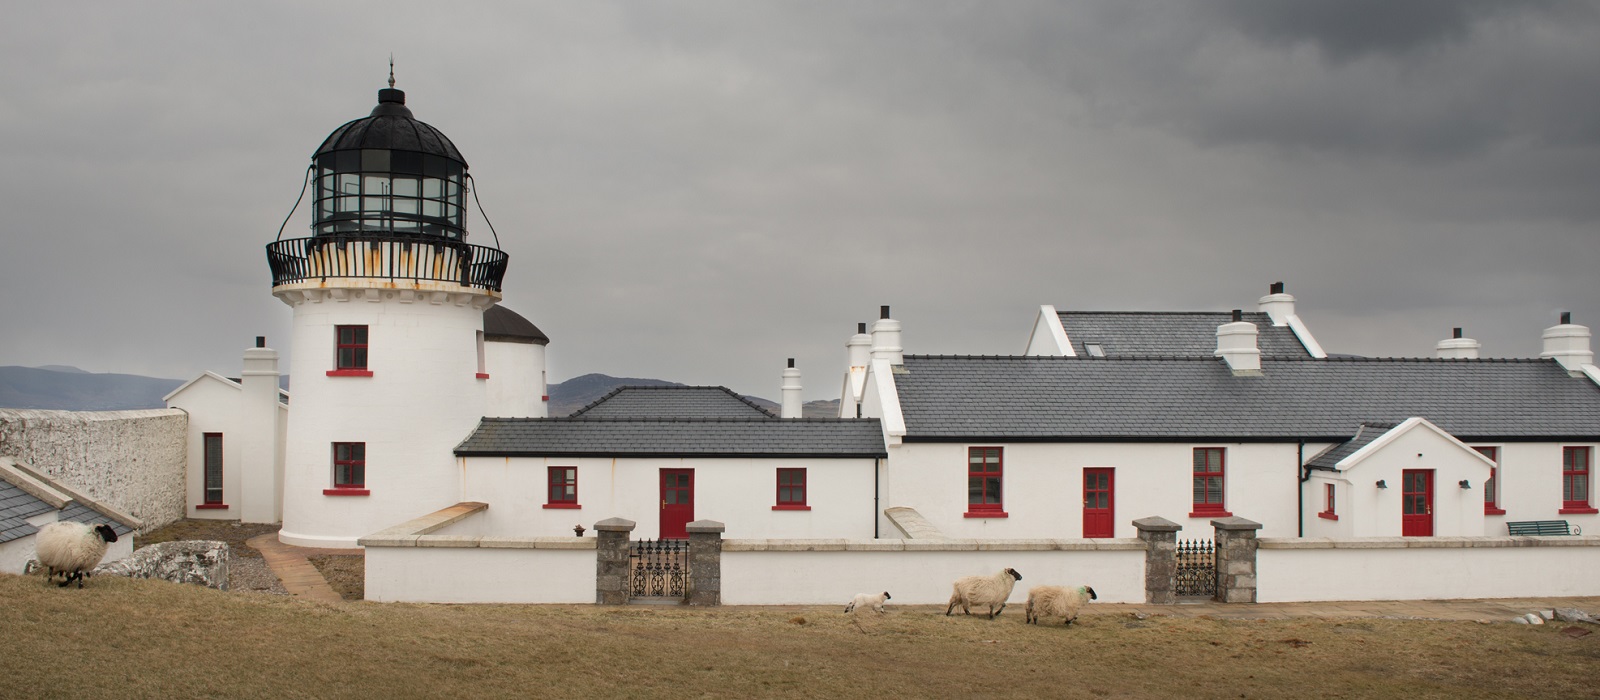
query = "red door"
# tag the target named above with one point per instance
(677, 502)
(1416, 498)
(1099, 488)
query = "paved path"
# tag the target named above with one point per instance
(289, 562)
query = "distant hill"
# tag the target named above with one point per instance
(72, 389)
(575, 393)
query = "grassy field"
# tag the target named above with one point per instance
(137, 638)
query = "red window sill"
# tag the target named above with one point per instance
(349, 373)
(1491, 510)
(346, 492)
(1578, 510)
(563, 506)
(483, 375)
(1211, 514)
(985, 514)
(791, 507)
(545, 397)
(211, 506)
(1328, 516)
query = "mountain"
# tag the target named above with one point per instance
(575, 393)
(72, 389)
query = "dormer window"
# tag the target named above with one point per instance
(1094, 350)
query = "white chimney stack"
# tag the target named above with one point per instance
(1277, 304)
(1457, 348)
(1236, 344)
(792, 406)
(1568, 343)
(858, 354)
(260, 469)
(886, 339)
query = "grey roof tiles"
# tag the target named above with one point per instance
(16, 506)
(702, 437)
(1170, 334)
(1364, 435)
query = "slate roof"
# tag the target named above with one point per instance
(501, 324)
(1111, 399)
(1365, 434)
(687, 437)
(1170, 334)
(16, 506)
(672, 402)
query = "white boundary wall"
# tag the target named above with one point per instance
(521, 572)
(133, 461)
(1399, 568)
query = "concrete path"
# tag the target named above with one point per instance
(289, 562)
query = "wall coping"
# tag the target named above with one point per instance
(1427, 542)
(21, 473)
(950, 545)
(911, 524)
(1156, 523)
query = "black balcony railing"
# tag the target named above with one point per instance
(301, 259)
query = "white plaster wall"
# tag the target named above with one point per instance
(480, 575)
(1043, 489)
(423, 399)
(738, 492)
(919, 577)
(213, 404)
(134, 461)
(1402, 569)
(1376, 512)
(1317, 526)
(1531, 485)
(516, 380)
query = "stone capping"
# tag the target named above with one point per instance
(949, 545)
(1235, 523)
(704, 526)
(911, 524)
(415, 533)
(31, 485)
(615, 525)
(1427, 542)
(11, 468)
(1156, 523)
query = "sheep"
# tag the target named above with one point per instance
(865, 600)
(1057, 601)
(70, 549)
(983, 590)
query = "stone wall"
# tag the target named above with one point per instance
(134, 461)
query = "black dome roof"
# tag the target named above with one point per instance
(504, 325)
(390, 126)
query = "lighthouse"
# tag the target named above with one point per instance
(389, 364)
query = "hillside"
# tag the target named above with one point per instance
(575, 393)
(72, 389)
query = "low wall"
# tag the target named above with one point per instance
(1399, 568)
(920, 572)
(134, 461)
(525, 571)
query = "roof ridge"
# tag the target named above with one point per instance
(1160, 313)
(671, 419)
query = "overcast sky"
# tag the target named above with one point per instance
(696, 191)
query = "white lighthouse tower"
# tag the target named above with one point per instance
(389, 367)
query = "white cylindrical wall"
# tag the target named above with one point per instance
(423, 398)
(1457, 349)
(516, 378)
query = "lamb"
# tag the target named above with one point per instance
(865, 600)
(70, 549)
(1057, 601)
(983, 590)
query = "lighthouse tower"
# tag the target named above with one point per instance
(388, 364)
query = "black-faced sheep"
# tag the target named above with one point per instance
(983, 590)
(1057, 601)
(70, 549)
(863, 601)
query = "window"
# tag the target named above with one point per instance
(1094, 350)
(1208, 481)
(350, 356)
(349, 469)
(983, 483)
(563, 490)
(1491, 488)
(1329, 511)
(791, 490)
(213, 473)
(1575, 480)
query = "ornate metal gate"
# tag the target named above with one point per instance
(658, 568)
(1197, 568)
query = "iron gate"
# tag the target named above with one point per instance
(658, 568)
(1197, 568)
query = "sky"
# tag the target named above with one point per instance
(695, 191)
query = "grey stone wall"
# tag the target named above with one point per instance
(705, 562)
(134, 461)
(1160, 536)
(1236, 559)
(611, 561)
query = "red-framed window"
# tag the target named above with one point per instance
(985, 476)
(791, 489)
(1491, 487)
(1209, 480)
(349, 469)
(1575, 480)
(350, 352)
(563, 488)
(1330, 510)
(212, 477)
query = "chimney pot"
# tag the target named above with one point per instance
(861, 328)
(883, 311)
(1238, 315)
(1276, 288)
(791, 363)
(1566, 317)
(1456, 333)
(261, 341)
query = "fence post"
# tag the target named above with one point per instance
(705, 562)
(611, 561)
(1160, 537)
(1236, 559)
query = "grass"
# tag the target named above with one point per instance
(142, 638)
(346, 574)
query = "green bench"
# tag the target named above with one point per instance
(1541, 528)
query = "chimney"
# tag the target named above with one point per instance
(1568, 343)
(1457, 347)
(257, 498)
(1277, 304)
(858, 350)
(792, 406)
(886, 338)
(1236, 344)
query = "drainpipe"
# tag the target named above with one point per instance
(875, 498)
(1300, 488)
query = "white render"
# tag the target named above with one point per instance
(252, 421)
(1419, 568)
(1364, 510)
(1457, 349)
(791, 406)
(858, 354)
(1568, 343)
(1236, 344)
(1049, 337)
(516, 382)
(479, 575)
